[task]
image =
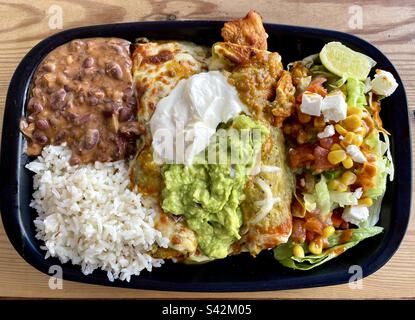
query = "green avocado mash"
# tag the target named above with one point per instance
(208, 194)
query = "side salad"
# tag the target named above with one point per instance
(340, 153)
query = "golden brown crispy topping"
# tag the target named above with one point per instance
(236, 55)
(298, 72)
(284, 98)
(248, 31)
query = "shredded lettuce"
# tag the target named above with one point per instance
(320, 70)
(355, 92)
(283, 253)
(374, 213)
(322, 196)
(378, 190)
(384, 163)
(309, 61)
(309, 202)
(374, 142)
(326, 200)
(343, 198)
(390, 166)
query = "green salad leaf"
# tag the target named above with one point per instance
(326, 200)
(343, 198)
(322, 196)
(355, 92)
(380, 179)
(332, 174)
(309, 202)
(374, 213)
(320, 70)
(383, 163)
(283, 253)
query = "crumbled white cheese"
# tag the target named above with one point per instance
(327, 132)
(334, 107)
(384, 83)
(358, 193)
(354, 152)
(311, 103)
(355, 214)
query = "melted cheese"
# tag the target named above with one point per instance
(159, 66)
(266, 204)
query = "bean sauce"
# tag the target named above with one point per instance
(82, 94)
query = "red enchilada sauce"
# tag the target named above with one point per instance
(82, 94)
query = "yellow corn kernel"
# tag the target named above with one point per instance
(341, 187)
(304, 118)
(361, 131)
(333, 184)
(352, 122)
(348, 178)
(298, 251)
(358, 140)
(347, 163)
(328, 231)
(336, 146)
(354, 110)
(349, 138)
(367, 202)
(315, 247)
(336, 156)
(340, 130)
(319, 122)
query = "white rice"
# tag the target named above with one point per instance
(87, 215)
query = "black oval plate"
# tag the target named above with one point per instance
(239, 273)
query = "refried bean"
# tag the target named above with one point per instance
(82, 94)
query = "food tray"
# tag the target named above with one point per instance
(238, 273)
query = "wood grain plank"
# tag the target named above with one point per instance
(390, 25)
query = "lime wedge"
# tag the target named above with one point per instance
(343, 61)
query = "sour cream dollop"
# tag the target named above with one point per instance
(184, 121)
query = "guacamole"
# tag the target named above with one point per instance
(208, 194)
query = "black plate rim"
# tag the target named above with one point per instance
(12, 144)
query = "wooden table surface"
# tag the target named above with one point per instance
(390, 25)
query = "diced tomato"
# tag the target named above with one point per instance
(298, 232)
(316, 86)
(336, 219)
(327, 143)
(344, 225)
(301, 156)
(320, 159)
(297, 209)
(314, 224)
(309, 236)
